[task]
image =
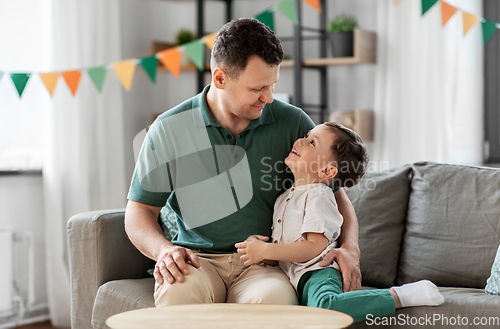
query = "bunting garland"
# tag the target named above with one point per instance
(97, 75)
(72, 79)
(150, 66)
(195, 50)
(50, 81)
(170, 58)
(469, 20)
(446, 12)
(125, 72)
(20, 80)
(288, 9)
(266, 18)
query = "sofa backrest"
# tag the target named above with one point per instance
(380, 201)
(452, 227)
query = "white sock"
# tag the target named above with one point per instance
(419, 293)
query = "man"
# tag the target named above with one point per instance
(217, 160)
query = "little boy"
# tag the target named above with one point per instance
(306, 225)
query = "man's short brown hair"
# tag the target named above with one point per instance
(240, 39)
(349, 154)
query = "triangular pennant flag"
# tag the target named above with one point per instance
(97, 75)
(72, 79)
(150, 66)
(447, 11)
(125, 70)
(266, 18)
(288, 9)
(195, 50)
(20, 80)
(397, 1)
(489, 28)
(314, 3)
(427, 4)
(469, 21)
(209, 40)
(1, 75)
(171, 59)
(50, 81)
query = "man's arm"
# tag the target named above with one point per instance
(347, 254)
(143, 230)
(254, 249)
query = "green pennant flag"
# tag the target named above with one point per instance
(427, 4)
(195, 50)
(97, 75)
(489, 28)
(288, 9)
(20, 80)
(266, 18)
(150, 66)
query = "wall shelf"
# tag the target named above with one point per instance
(364, 53)
(365, 44)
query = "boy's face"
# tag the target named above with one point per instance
(311, 154)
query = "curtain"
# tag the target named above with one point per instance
(429, 86)
(84, 139)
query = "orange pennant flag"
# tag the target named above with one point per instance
(209, 40)
(125, 70)
(447, 11)
(314, 3)
(171, 59)
(469, 21)
(72, 79)
(50, 81)
(397, 1)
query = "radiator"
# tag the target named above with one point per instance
(5, 270)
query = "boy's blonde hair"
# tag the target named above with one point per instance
(349, 155)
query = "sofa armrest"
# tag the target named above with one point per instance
(99, 251)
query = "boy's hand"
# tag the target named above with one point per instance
(252, 250)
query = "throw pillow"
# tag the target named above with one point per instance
(452, 226)
(381, 201)
(493, 283)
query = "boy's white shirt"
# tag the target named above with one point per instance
(310, 208)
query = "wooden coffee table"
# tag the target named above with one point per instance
(229, 316)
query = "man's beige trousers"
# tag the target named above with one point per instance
(224, 278)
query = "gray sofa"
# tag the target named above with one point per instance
(422, 221)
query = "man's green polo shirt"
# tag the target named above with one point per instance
(187, 150)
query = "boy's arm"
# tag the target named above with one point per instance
(347, 254)
(255, 250)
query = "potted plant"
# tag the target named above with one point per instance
(184, 36)
(341, 35)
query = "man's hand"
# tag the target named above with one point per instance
(348, 260)
(172, 264)
(252, 249)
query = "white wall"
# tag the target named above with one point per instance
(22, 211)
(146, 20)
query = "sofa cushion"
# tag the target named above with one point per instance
(453, 225)
(380, 201)
(120, 296)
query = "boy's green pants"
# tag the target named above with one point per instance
(323, 288)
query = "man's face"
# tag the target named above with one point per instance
(246, 95)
